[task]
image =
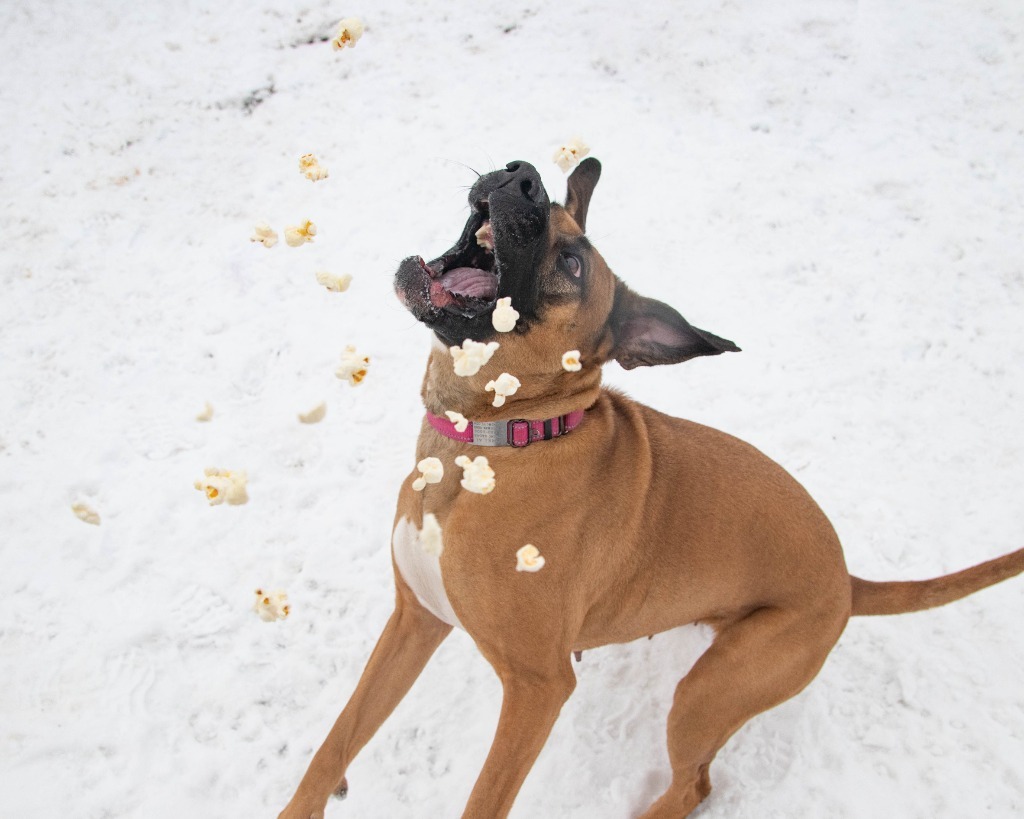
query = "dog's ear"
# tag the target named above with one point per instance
(648, 332)
(582, 182)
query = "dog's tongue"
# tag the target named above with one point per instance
(470, 281)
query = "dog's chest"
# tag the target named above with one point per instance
(421, 571)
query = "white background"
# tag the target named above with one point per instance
(836, 186)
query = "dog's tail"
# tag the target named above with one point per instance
(900, 597)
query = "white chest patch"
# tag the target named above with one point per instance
(421, 571)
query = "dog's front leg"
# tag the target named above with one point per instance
(531, 703)
(408, 641)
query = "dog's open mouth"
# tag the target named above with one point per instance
(464, 280)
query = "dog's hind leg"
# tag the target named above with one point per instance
(409, 639)
(753, 664)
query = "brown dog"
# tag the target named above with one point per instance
(645, 522)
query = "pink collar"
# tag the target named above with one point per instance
(517, 433)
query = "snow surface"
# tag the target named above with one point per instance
(837, 186)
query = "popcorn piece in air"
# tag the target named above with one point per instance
(271, 605)
(206, 414)
(503, 386)
(297, 235)
(223, 486)
(349, 31)
(485, 236)
(477, 475)
(353, 366)
(529, 559)
(310, 167)
(264, 234)
(430, 536)
(571, 361)
(315, 415)
(569, 155)
(472, 355)
(505, 316)
(86, 513)
(457, 418)
(336, 284)
(433, 471)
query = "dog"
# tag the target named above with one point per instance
(644, 522)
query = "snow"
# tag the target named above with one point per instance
(835, 186)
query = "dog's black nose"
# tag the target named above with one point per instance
(517, 187)
(527, 180)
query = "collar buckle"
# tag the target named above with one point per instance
(511, 430)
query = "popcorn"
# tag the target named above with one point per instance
(457, 418)
(298, 235)
(336, 284)
(529, 559)
(505, 316)
(477, 475)
(472, 355)
(430, 536)
(353, 366)
(271, 605)
(503, 386)
(485, 236)
(222, 485)
(568, 155)
(264, 234)
(571, 361)
(86, 513)
(310, 167)
(315, 415)
(349, 31)
(433, 471)
(206, 414)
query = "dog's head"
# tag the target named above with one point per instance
(519, 244)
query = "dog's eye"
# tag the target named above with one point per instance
(572, 264)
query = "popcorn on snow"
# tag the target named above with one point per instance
(336, 284)
(315, 415)
(297, 235)
(353, 366)
(505, 316)
(223, 485)
(430, 536)
(569, 155)
(206, 414)
(571, 361)
(86, 513)
(310, 167)
(271, 605)
(264, 234)
(503, 386)
(457, 418)
(477, 475)
(349, 31)
(433, 471)
(529, 559)
(472, 355)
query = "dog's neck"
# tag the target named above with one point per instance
(546, 390)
